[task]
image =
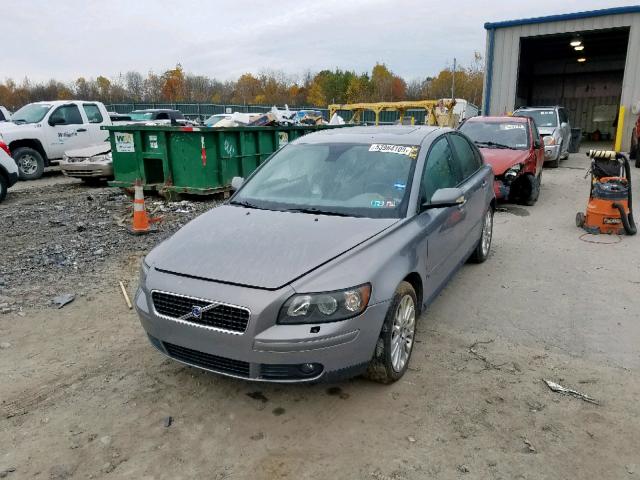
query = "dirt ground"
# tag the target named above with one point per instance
(83, 394)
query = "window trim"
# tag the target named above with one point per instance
(87, 115)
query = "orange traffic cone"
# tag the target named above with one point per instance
(141, 222)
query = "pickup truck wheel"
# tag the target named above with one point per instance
(30, 163)
(481, 252)
(395, 343)
(3, 187)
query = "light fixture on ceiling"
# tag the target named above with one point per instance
(575, 42)
(582, 60)
(578, 48)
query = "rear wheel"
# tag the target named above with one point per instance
(30, 163)
(481, 253)
(395, 343)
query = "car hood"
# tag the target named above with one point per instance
(501, 159)
(89, 151)
(260, 248)
(9, 129)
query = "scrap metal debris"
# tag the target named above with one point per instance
(168, 421)
(556, 387)
(64, 299)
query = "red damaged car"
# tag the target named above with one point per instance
(514, 149)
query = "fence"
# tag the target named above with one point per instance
(202, 111)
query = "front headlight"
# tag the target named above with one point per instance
(144, 271)
(549, 140)
(65, 158)
(325, 307)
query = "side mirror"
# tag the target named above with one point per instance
(445, 197)
(56, 121)
(236, 183)
(536, 143)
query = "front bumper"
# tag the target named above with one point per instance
(87, 169)
(551, 152)
(265, 351)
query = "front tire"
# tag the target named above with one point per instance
(4, 186)
(481, 252)
(395, 343)
(30, 163)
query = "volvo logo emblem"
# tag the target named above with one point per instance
(196, 312)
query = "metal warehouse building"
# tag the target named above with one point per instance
(588, 62)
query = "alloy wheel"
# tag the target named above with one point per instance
(404, 326)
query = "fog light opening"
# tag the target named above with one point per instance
(309, 368)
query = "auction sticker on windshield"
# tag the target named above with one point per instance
(410, 151)
(124, 142)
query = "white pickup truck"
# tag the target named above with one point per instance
(39, 133)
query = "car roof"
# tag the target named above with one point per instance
(550, 107)
(154, 110)
(497, 119)
(392, 134)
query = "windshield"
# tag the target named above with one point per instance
(497, 134)
(212, 120)
(543, 118)
(361, 180)
(138, 116)
(32, 113)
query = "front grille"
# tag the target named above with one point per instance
(208, 361)
(225, 317)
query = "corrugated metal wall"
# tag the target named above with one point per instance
(506, 51)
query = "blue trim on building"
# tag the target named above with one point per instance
(563, 17)
(486, 104)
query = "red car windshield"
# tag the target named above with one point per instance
(506, 134)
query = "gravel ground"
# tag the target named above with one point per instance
(58, 236)
(83, 395)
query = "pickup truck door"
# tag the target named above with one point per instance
(441, 228)
(95, 120)
(476, 181)
(66, 129)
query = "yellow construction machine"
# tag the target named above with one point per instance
(437, 112)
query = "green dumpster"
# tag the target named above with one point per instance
(197, 160)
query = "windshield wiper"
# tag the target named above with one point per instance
(495, 145)
(18, 121)
(317, 211)
(246, 204)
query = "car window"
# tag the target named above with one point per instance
(542, 117)
(563, 115)
(93, 113)
(497, 134)
(70, 114)
(464, 155)
(162, 116)
(438, 172)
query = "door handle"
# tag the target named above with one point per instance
(81, 130)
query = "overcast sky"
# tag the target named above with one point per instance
(415, 38)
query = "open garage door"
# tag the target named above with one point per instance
(587, 80)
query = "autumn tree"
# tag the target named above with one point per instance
(173, 87)
(247, 88)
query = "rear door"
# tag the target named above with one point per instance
(95, 120)
(440, 227)
(475, 185)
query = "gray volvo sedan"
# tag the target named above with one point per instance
(319, 265)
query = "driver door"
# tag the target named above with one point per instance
(66, 130)
(441, 227)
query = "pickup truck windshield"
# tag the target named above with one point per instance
(543, 118)
(32, 113)
(497, 134)
(359, 180)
